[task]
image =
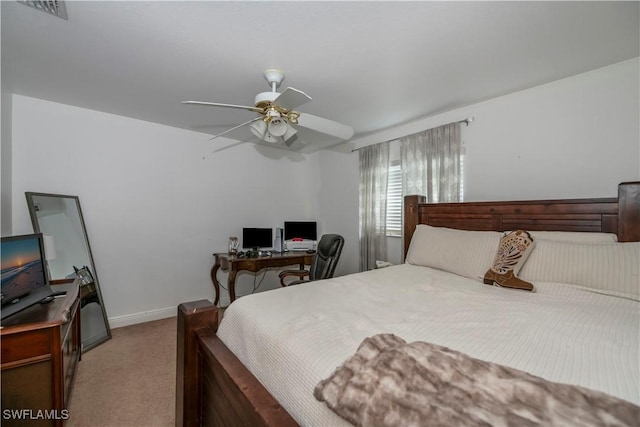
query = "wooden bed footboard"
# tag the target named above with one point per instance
(213, 388)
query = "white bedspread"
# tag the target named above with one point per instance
(291, 338)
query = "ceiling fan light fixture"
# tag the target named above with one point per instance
(277, 126)
(259, 128)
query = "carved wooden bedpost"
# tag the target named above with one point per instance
(410, 219)
(629, 212)
(192, 316)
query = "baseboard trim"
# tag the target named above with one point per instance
(145, 316)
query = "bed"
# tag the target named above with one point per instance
(260, 364)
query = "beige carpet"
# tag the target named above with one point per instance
(129, 380)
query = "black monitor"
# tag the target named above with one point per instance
(253, 238)
(24, 278)
(300, 230)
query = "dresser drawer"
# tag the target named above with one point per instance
(26, 345)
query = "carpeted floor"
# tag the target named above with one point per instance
(129, 380)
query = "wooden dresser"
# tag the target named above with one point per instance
(40, 348)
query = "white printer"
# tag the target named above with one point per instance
(300, 245)
(300, 236)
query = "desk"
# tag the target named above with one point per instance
(233, 264)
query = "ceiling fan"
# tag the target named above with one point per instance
(277, 121)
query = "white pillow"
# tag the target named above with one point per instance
(466, 253)
(608, 267)
(574, 236)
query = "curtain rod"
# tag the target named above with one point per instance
(465, 121)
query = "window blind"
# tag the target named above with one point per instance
(394, 200)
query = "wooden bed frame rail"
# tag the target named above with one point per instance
(213, 388)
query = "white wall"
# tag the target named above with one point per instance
(155, 210)
(573, 138)
(337, 179)
(5, 163)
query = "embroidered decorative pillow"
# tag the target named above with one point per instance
(513, 251)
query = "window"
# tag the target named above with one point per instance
(395, 196)
(394, 200)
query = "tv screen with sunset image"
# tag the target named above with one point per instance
(23, 269)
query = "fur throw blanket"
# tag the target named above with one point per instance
(389, 382)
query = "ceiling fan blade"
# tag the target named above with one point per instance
(327, 126)
(234, 128)
(291, 98)
(217, 104)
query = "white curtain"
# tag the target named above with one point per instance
(374, 167)
(430, 162)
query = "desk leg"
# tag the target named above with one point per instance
(214, 279)
(232, 284)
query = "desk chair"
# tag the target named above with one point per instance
(324, 262)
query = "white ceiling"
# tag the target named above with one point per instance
(370, 65)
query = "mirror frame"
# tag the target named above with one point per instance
(36, 228)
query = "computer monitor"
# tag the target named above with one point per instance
(24, 280)
(306, 230)
(257, 238)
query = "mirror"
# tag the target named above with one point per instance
(59, 219)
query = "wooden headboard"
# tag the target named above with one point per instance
(619, 215)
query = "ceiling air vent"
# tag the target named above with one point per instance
(53, 7)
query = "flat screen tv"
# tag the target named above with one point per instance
(257, 238)
(306, 230)
(24, 278)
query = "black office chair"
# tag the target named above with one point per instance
(324, 262)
